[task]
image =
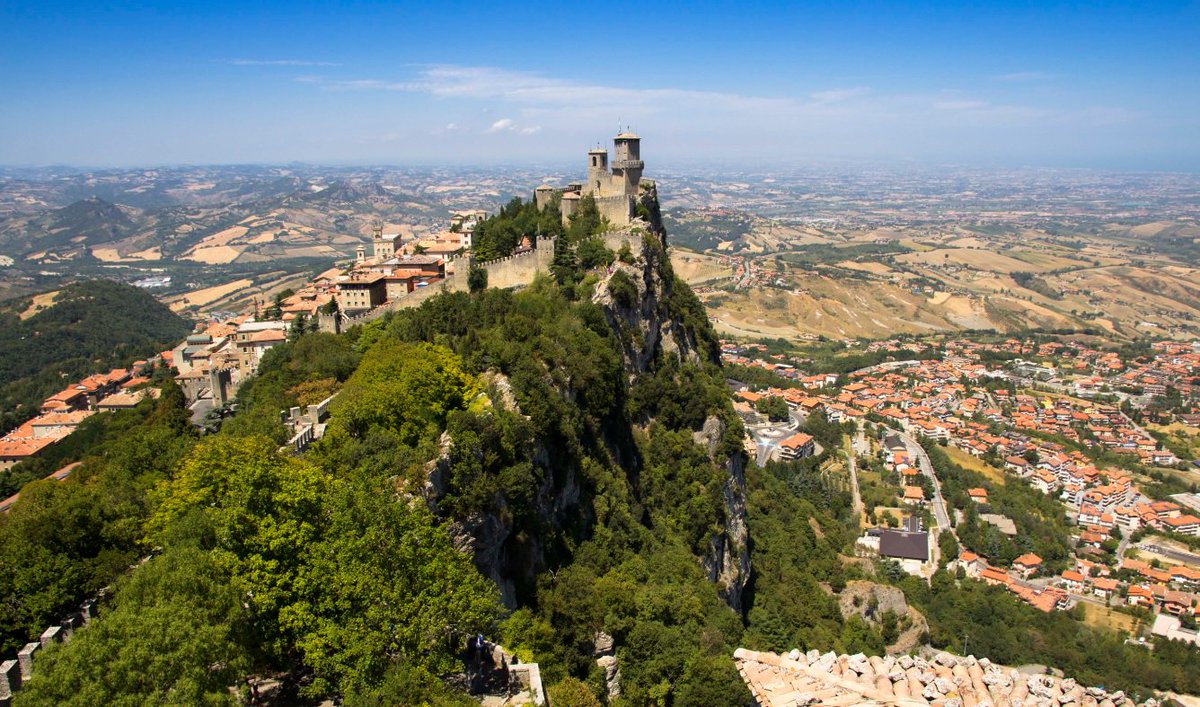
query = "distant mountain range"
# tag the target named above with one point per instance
(90, 221)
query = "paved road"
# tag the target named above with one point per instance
(767, 436)
(1123, 545)
(940, 513)
(745, 274)
(885, 366)
(1044, 582)
(1184, 557)
(852, 463)
(765, 449)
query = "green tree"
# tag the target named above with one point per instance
(570, 692)
(405, 388)
(773, 407)
(405, 684)
(173, 637)
(586, 221)
(299, 327)
(564, 265)
(711, 680)
(477, 277)
(266, 512)
(386, 585)
(592, 253)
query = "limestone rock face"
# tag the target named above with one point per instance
(653, 323)
(489, 537)
(871, 601)
(602, 644)
(727, 561)
(646, 323)
(648, 327)
(612, 676)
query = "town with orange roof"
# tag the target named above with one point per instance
(1074, 423)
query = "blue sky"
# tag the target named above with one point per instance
(986, 84)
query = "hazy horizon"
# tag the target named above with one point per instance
(998, 85)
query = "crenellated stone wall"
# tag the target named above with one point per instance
(503, 273)
(17, 672)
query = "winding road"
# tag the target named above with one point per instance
(940, 513)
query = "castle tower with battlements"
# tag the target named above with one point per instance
(615, 190)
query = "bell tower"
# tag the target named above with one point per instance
(597, 180)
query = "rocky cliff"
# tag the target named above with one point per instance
(656, 322)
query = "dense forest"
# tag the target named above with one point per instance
(591, 475)
(92, 326)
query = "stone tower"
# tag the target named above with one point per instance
(627, 166)
(542, 196)
(616, 192)
(597, 179)
(382, 248)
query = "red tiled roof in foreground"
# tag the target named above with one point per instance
(829, 679)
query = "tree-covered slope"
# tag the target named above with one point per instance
(91, 326)
(556, 468)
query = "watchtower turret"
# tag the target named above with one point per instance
(627, 167)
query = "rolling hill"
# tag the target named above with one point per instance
(49, 341)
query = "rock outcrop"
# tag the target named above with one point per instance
(646, 322)
(653, 323)
(872, 601)
(727, 562)
(651, 326)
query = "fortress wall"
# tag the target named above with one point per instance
(518, 270)
(513, 271)
(455, 282)
(613, 240)
(617, 209)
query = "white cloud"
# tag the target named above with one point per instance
(508, 125)
(839, 94)
(855, 119)
(541, 92)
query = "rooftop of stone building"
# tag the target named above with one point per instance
(814, 678)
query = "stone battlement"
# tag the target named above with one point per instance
(507, 272)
